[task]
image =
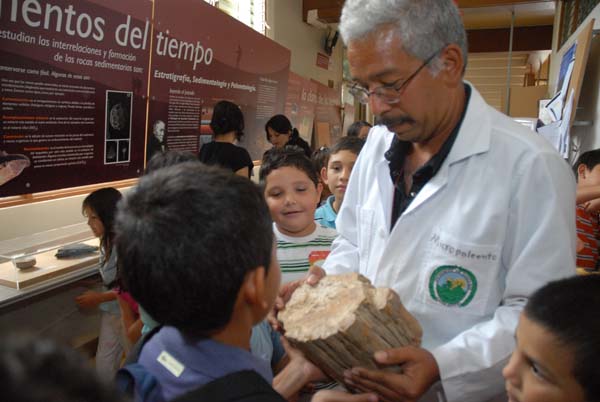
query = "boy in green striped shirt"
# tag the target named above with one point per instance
(292, 190)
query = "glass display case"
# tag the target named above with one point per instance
(32, 261)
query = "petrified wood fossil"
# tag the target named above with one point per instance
(342, 321)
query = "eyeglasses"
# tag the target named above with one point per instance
(389, 93)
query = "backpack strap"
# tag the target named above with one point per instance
(133, 379)
(246, 385)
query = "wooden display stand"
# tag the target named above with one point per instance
(47, 267)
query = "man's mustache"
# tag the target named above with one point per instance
(393, 121)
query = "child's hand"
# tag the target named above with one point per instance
(89, 299)
(314, 275)
(297, 373)
(340, 396)
(592, 206)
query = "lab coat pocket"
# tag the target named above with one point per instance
(459, 274)
(365, 223)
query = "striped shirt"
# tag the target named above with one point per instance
(588, 231)
(293, 252)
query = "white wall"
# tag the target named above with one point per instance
(284, 18)
(585, 137)
(287, 28)
(23, 220)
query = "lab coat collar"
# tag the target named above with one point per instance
(473, 138)
(475, 131)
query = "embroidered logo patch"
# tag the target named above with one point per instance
(452, 285)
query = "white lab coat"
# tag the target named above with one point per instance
(502, 207)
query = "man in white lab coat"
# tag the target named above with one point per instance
(456, 207)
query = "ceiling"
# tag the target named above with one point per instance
(477, 13)
(488, 26)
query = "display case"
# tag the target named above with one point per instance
(29, 265)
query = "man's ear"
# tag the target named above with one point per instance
(453, 64)
(324, 174)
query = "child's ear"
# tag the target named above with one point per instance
(324, 174)
(581, 171)
(254, 288)
(319, 190)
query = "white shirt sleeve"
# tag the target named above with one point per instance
(539, 247)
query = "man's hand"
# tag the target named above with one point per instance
(340, 396)
(418, 372)
(314, 275)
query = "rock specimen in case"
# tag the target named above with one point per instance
(342, 321)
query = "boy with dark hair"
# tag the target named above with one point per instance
(319, 158)
(359, 129)
(587, 172)
(335, 175)
(172, 229)
(292, 191)
(40, 370)
(557, 351)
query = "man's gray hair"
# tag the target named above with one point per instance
(423, 26)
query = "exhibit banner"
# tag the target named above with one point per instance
(328, 119)
(73, 85)
(300, 104)
(201, 56)
(89, 89)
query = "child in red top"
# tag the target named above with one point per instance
(587, 170)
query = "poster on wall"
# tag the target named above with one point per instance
(328, 119)
(300, 104)
(73, 85)
(201, 56)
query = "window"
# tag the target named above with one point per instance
(250, 12)
(573, 14)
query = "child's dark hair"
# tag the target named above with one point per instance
(40, 370)
(187, 236)
(103, 202)
(227, 117)
(354, 129)
(352, 144)
(568, 309)
(288, 156)
(589, 159)
(282, 125)
(320, 158)
(169, 158)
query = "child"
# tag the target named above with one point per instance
(292, 190)
(40, 370)
(319, 159)
(342, 157)
(359, 129)
(100, 207)
(227, 124)
(587, 171)
(280, 133)
(171, 245)
(557, 352)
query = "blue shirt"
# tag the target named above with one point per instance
(180, 365)
(325, 215)
(265, 343)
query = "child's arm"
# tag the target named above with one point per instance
(587, 193)
(131, 321)
(92, 298)
(296, 374)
